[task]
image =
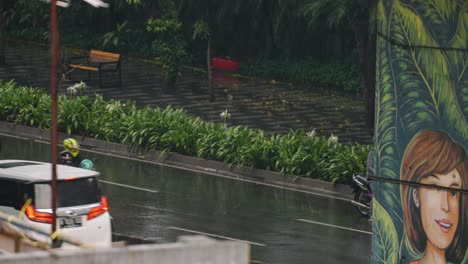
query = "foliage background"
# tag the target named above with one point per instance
(422, 84)
(264, 35)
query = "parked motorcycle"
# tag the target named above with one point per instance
(362, 195)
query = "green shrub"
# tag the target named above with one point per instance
(344, 76)
(173, 130)
(24, 105)
(208, 143)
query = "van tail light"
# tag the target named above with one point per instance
(37, 216)
(99, 210)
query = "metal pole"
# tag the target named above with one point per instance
(54, 45)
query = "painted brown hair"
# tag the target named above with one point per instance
(433, 152)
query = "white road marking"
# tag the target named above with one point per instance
(213, 235)
(129, 186)
(42, 141)
(335, 226)
(7, 135)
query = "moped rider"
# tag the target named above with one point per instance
(70, 156)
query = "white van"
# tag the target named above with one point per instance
(82, 211)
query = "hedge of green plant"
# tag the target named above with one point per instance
(342, 76)
(173, 130)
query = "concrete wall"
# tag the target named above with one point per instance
(189, 249)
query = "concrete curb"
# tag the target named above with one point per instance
(185, 162)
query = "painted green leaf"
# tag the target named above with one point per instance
(465, 260)
(386, 108)
(381, 15)
(427, 72)
(415, 95)
(385, 244)
(460, 40)
(439, 16)
(459, 57)
(392, 202)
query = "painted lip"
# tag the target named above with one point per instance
(444, 224)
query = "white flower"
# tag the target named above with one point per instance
(72, 90)
(112, 107)
(81, 86)
(225, 115)
(311, 134)
(333, 139)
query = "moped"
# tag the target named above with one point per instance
(362, 195)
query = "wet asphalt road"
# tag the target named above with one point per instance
(162, 203)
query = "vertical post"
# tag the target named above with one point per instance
(2, 33)
(17, 245)
(209, 20)
(53, 90)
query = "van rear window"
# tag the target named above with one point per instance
(75, 192)
(17, 164)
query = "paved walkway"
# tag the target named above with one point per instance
(269, 105)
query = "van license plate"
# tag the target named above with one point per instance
(67, 222)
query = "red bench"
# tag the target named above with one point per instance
(225, 64)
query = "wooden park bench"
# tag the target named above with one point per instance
(97, 61)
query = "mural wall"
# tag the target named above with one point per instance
(420, 209)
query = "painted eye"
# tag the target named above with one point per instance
(453, 194)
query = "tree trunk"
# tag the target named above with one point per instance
(365, 44)
(210, 71)
(371, 50)
(2, 34)
(369, 92)
(209, 16)
(360, 32)
(171, 84)
(268, 47)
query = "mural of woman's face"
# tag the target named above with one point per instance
(439, 208)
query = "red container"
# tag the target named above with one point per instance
(225, 65)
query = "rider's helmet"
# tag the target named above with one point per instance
(65, 158)
(72, 146)
(87, 164)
